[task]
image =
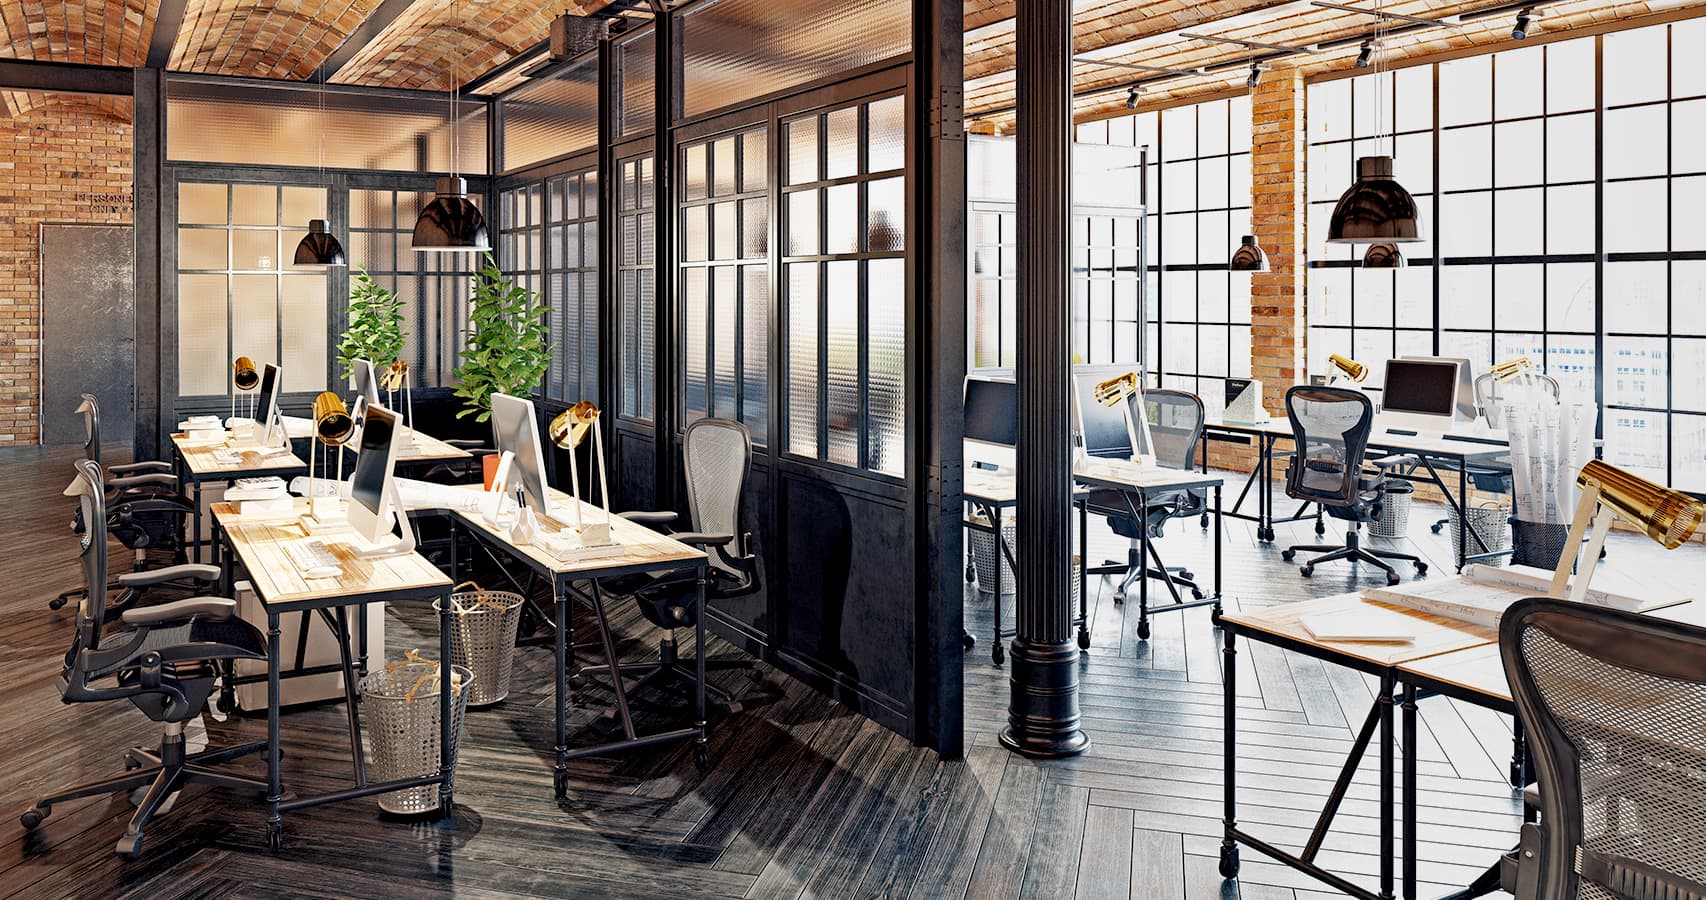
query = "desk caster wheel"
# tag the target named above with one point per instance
(33, 817)
(701, 757)
(1264, 534)
(1119, 596)
(560, 784)
(999, 655)
(227, 702)
(1202, 520)
(971, 573)
(1228, 862)
(577, 681)
(1214, 616)
(130, 845)
(58, 602)
(1306, 571)
(1392, 579)
(1083, 639)
(1288, 555)
(1421, 568)
(275, 838)
(1143, 629)
(967, 640)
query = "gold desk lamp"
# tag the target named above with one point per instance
(568, 431)
(395, 378)
(1347, 367)
(1118, 391)
(1667, 516)
(245, 377)
(1512, 368)
(333, 427)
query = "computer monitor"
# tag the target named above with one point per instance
(1419, 395)
(991, 420)
(1102, 429)
(366, 385)
(374, 508)
(515, 429)
(1467, 410)
(267, 418)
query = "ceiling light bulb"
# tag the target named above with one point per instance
(1365, 55)
(1523, 20)
(1131, 97)
(1256, 70)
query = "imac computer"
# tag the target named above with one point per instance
(515, 431)
(991, 420)
(1467, 410)
(1419, 396)
(269, 424)
(374, 507)
(366, 394)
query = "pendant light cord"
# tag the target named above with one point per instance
(455, 101)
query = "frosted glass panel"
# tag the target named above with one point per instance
(696, 305)
(803, 358)
(842, 353)
(803, 224)
(202, 204)
(201, 248)
(886, 295)
(755, 309)
(723, 166)
(725, 234)
(302, 204)
(755, 155)
(755, 228)
(254, 316)
(841, 218)
(841, 133)
(887, 130)
(201, 324)
(885, 227)
(724, 332)
(254, 204)
(802, 151)
(304, 319)
(254, 249)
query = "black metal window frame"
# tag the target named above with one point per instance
(636, 205)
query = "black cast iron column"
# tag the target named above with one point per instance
(1042, 715)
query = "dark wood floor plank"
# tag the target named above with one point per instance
(1056, 841)
(1104, 864)
(1001, 858)
(1157, 864)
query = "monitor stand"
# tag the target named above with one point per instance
(394, 545)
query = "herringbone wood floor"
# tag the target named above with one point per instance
(802, 798)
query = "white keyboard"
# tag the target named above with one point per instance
(313, 558)
(226, 456)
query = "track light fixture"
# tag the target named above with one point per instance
(1256, 70)
(1365, 55)
(1524, 19)
(1131, 96)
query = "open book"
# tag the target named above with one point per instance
(1482, 593)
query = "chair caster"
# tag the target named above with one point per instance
(1436, 527)
(1421, 568)
(577, 681)
(130, 845)
(1306, 571)
(1320, 528)
(1288, 555)
(1119, 596)
(1186, 574)
(1143, 629)
(999, 655)
(227, 702)
(971, 574)
(58, 602)
(968, 640)
(701, 757)
(1228, 861)
(33, 817)
(1202, 520)
(1264, 533)
(1083, 639)
(1392, 579)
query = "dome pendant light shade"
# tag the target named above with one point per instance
(1374, 208)
(319, 248)
(1383, 256)
(451, 222)
(1249, 256)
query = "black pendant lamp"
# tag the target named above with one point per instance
(451, 223)
(1374, 208)
(1248, 257)
(319, 247)
(1383, 255)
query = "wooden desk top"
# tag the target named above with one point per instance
(257, 542)
(1146, 478)
(997, 488)
(203, 464)
(1434, 634)
(641, 546)
(1468, 443)
(424, 448)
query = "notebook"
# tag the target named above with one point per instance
(1378, 628)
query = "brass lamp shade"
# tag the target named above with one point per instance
(1117, 388)
(1375, 208)
(332, 422)
(569, 428)
(1511, 368)
(395, 376)
(1353, 370)
(244, 374)
(319, 248)
(451, 222)
(1667, 516)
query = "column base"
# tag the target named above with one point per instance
(1042, 717)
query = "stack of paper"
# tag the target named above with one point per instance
(1369, 627)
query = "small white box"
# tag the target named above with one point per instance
(322, 650)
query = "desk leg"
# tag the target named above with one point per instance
(342, 632)
(1463, 514)
(1229, 755)
(1143, 575)
(195, 534)
(446, 750)
(275, 785)
(1219, 538)
(995, 650)
(1083, 577)
(701, 744)
(1409, 800)
(560, 778)
(1265, 491)
(1386, 786)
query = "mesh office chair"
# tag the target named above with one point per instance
(164, 660)
(1175, 426)
(1330, 427)
(1613, 703)
(717, 454)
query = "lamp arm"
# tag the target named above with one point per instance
(1585, 515)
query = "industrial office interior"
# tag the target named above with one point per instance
(849, 448)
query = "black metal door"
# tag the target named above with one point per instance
(88, 313)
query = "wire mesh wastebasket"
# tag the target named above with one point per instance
(1538, 544)
(400, 704)
(1394, 521)
(482, 639)
(1489, 519)
(986, 553)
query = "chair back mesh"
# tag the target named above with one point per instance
(1330, 427)
(1616, 703)
(1491, 394)
(91, 412)
(718, 453)
(91, 499)
(1175, 426)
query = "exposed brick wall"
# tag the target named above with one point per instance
(1278, 296)
(64, 161)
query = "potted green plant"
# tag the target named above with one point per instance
(506, 350)
(375, 330)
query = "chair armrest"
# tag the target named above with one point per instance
(156, 479)
(180, 610)
(140, 467)
(1384, 463)
(465, 444)
(641, 517)
(187, 571)
(702, 539)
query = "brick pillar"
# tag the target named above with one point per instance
(1278, 297)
